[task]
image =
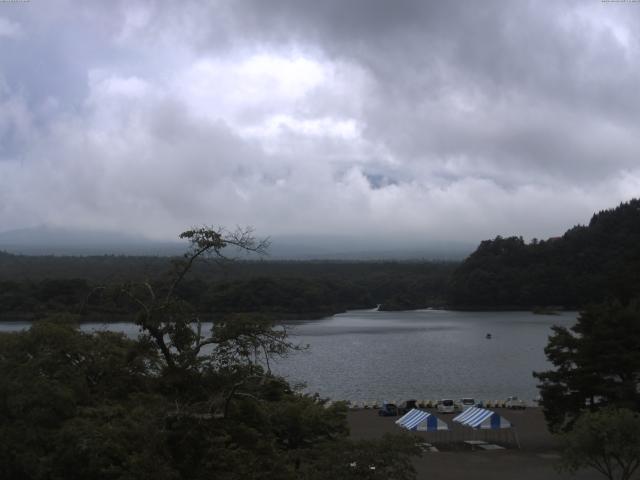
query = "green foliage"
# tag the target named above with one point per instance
(176, 403)
(301, 422)
(597, 363)
(389, 458)
(607, 440)
(279, 289)
(77, 405)
(52, 377)
(587, 264)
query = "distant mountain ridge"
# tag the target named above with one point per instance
(47, 240)
(587, 264)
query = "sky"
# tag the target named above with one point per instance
(434, 121)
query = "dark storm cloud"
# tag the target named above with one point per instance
(549, 85)
(434, 120)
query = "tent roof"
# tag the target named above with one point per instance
(475, 417)
(420, 420)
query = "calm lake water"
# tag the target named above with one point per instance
(425, 354)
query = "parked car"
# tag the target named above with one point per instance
(466, 403)
(388, 410)
(446, 406)
(407, 406)
(515, 403)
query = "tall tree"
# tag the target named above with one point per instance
(597, 364)
(163, 316)
(176, 403)
(606, 440)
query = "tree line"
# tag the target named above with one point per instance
(587, 264)
(281, 289)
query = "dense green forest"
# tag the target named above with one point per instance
(587, 264)
(32, 286)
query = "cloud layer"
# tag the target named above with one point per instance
(423, 120)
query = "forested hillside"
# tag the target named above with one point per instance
(31, 286)
(587, 264)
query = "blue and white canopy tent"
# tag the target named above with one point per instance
(483, 419)
(421, 421)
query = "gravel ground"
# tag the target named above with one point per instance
(535, 460)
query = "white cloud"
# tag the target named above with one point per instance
(306, 122)
(10, 29)
(244, 90)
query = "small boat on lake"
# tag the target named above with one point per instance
(488, 336)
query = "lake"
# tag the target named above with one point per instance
(424, 354)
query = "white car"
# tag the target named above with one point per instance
(466, 403)
(515, 403)
(446, 406)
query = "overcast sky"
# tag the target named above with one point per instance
(442, 120)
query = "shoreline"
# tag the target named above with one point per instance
(109, 318)
(117, 317)
(529, 423)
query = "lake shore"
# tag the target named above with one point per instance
(114, 318)
(536, 459)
